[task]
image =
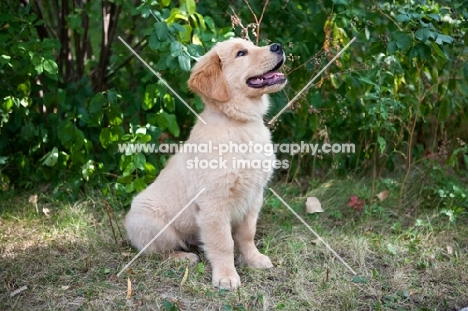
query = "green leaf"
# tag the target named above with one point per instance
(172, 124)
(139, 184)
(438, 51)
(65, 133)
(170, 62)
(169, 102)
(150, 169)
(391, 249)
(210, 23)
(116, 133)
(191, 6)
(149, 99)
(114, 115)
(186, 35)
(161, 31)
(422, 34)
(391, 48)
(175, 15)
(176, 48)
(88, 169)
(441, 39)
(3, 160)
(359, 279)
(195, 50)
(4, 59)
(141, 131)
(420, 50)
(50, 66)
(154, 42)
(201, 20)
(382, 144)
(25, 88)
(367, 80)
(39, 68)
(160, 121)
(403, 40)
(402, 18)
(112, 96)
(139, 160)
(105, 137)
(96, 103)
(435, 17)
(129, 188)
(184, 62)
(50, 159)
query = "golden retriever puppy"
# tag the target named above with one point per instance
(232, 79)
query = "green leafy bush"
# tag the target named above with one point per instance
(72, 91)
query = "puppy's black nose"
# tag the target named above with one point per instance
(276, 48)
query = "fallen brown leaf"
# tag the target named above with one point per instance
(32, 199)
(449, 250)
(46, 211)
(383, 195)
(313, 205)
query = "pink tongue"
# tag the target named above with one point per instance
(269, 75)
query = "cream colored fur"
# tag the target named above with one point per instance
(224, 216)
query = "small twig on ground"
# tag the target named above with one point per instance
(110, 215)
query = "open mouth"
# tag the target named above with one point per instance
(269, 78)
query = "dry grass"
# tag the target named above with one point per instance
(69, 261)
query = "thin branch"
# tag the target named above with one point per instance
(386, 15)
(251, 11)
(261, 18)
(258, 22)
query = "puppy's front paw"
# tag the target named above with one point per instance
(258, 261)
(228, 279)
(191, 258)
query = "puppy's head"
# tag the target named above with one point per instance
(238, 68)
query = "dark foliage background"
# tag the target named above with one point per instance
(70, 90)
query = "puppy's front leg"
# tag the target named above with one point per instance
(244, 234)
(215, 233)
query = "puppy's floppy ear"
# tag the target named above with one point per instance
(207, 78)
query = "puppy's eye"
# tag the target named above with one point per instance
(241, 53)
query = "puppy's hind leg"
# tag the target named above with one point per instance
(143, 224)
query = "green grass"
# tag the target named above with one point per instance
(407, 257)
